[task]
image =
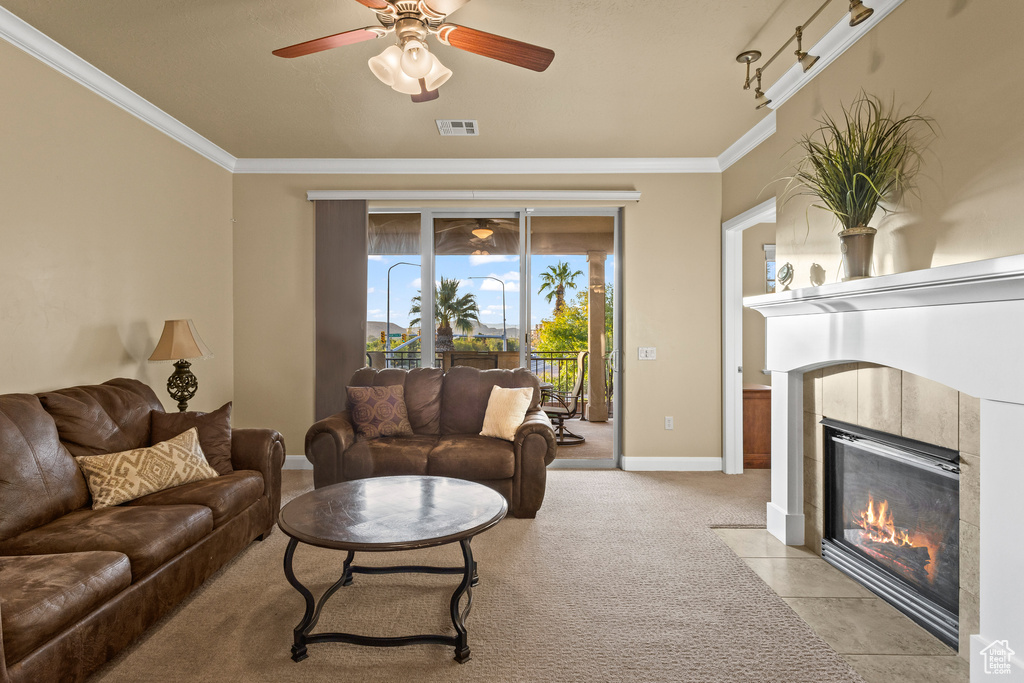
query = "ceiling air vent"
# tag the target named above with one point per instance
(457, 127)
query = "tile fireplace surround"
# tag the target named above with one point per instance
(959, 325)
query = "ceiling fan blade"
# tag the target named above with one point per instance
(445, 7)
(374, 4)
(424, 94)
(328, 42)
(496, 47)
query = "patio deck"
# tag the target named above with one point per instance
(598, 442)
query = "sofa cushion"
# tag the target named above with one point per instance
(466, 391)
(148, 534)
(226, 495)
(387, 456)
(422, 393)
(42, 594)
(379, 411)
(214, 433)
(472, 457)
(105, 418)
(39, 479)
(115, 478)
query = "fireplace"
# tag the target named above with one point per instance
(892, 509)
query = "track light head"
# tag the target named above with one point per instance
(858, 12)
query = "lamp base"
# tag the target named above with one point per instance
(182, 384)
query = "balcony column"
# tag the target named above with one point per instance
(597, 404)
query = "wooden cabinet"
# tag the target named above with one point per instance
(757, 426)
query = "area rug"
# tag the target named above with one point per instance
(619, 578)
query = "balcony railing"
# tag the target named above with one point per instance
(558, 368)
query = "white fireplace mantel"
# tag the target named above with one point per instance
(961, 325)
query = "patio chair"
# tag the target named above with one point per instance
(569, 403)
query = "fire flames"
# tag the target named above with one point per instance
(878, 527)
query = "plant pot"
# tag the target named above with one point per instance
(856, 244)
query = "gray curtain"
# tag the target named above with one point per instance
(341, 248)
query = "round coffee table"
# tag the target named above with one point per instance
(384, 514)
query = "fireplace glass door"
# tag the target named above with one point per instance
(893, 508)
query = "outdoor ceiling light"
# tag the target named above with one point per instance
(858, 14)
(483, 233)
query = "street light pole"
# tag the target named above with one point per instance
(387, 322)
(504, 330)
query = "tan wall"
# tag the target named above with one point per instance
(107, 228)
(754, 240)
(962, 57)
(671, 267)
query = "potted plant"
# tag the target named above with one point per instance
(854, 165)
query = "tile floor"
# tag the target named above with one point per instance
(878, 641)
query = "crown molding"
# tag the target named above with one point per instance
(838, 40)
(478, 195)
(761, 131)
(29, 39)
(478, 166)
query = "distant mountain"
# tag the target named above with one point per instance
(375, 327)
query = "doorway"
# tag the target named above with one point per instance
(489, 309)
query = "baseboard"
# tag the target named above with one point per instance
(671, 464)
(297, 462)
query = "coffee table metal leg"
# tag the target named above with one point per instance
(299, 645)
(346, 574)
(459, 617)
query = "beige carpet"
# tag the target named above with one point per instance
(618, 579)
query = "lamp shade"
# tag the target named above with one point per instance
(438, 75)
(387, 67)
(180, 341)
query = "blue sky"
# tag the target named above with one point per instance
(405, 284)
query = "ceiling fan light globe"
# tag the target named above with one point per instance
(416, 60)
(387, 65)
(438, 76)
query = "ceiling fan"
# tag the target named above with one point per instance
(409, 67)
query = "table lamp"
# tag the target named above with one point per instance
(179, 341)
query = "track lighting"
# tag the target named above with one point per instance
(858, 14)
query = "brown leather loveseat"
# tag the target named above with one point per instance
(76, 584)
(447, 414)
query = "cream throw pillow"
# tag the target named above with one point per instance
(116, 478)
(506, 409)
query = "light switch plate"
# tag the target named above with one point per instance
(648, 353)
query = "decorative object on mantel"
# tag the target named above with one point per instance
(785, 275)
(858, 14)
(853, 164)
(180, 341)
(817, 275)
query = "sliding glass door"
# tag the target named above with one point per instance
(516, 288)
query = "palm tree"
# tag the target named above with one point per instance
(449, 308)
(557, 279)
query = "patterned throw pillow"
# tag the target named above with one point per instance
(214, 433)
(379, 411)
(506, 409)
(116, 478)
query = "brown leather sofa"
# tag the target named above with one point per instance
(77, 585)
(447, 414)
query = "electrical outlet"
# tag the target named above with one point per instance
(668, 422)
(648, 353)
